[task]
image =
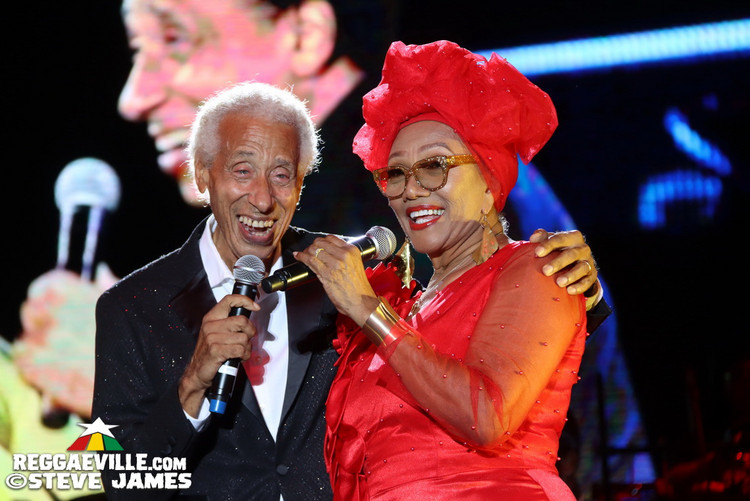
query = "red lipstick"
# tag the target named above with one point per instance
(422, 216)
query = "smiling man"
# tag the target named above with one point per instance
(164, 331)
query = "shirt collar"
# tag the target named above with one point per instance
(218, 273)
(216, 270)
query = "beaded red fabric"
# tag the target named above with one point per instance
(472, 402)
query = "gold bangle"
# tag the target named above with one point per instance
(384, 326)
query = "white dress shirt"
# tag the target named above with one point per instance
(267, 368)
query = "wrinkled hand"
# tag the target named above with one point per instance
(338, 266)
(221, 337)
(574, 266)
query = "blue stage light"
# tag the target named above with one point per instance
(688, 42)
(665, 189)
(693, 145)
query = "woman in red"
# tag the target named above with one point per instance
(462, 390)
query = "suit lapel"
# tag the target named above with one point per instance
(248, 396)
(301, 312)
(305, 305)
(195, 298)
(194, 301)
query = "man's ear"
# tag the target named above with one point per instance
(316, 37)
(201, 174)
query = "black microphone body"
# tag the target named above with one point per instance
(223, 383)
(378, 243)
(244, 289)
(287, 277)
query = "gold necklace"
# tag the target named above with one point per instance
(431, 288)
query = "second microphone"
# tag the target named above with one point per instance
(378, 243)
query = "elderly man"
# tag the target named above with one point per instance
(164, 331)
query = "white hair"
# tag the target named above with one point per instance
(254, 99)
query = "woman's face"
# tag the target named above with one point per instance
(446, 220)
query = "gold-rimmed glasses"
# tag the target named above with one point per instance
(430, 173)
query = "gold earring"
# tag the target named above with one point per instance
(404, 263)
(488, 245)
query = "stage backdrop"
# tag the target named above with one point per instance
(649, 161)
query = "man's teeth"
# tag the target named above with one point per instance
(424, 215)
(254, 223)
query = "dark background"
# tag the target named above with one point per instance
(678, 291)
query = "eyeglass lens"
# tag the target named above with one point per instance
(429, 173)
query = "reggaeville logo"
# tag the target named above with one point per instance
(96, 437)
(94, 451)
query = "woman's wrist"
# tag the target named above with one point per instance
(384, 326)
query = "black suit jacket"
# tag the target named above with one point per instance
(147, 326)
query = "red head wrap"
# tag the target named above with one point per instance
(498, 113)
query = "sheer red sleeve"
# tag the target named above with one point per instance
(520, 338)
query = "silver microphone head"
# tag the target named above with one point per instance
(87, 182)
(249, 269)
(384, 239)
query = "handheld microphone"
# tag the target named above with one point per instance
(248, 271)
(378, 243)
(85, 182)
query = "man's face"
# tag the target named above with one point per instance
(254, 186)
(186, 50)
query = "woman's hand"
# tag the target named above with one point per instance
(338, 266)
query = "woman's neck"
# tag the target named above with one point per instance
(461, 257)
(449, 258)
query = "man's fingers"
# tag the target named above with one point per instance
(223, 307)
(564, 259)
(228, 338)
(578, 278)
(581, 285)
(539, 235)
(559, 241)
(237, 347)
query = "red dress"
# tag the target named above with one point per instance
(432, 418)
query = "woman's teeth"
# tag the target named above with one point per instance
(424, 215)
